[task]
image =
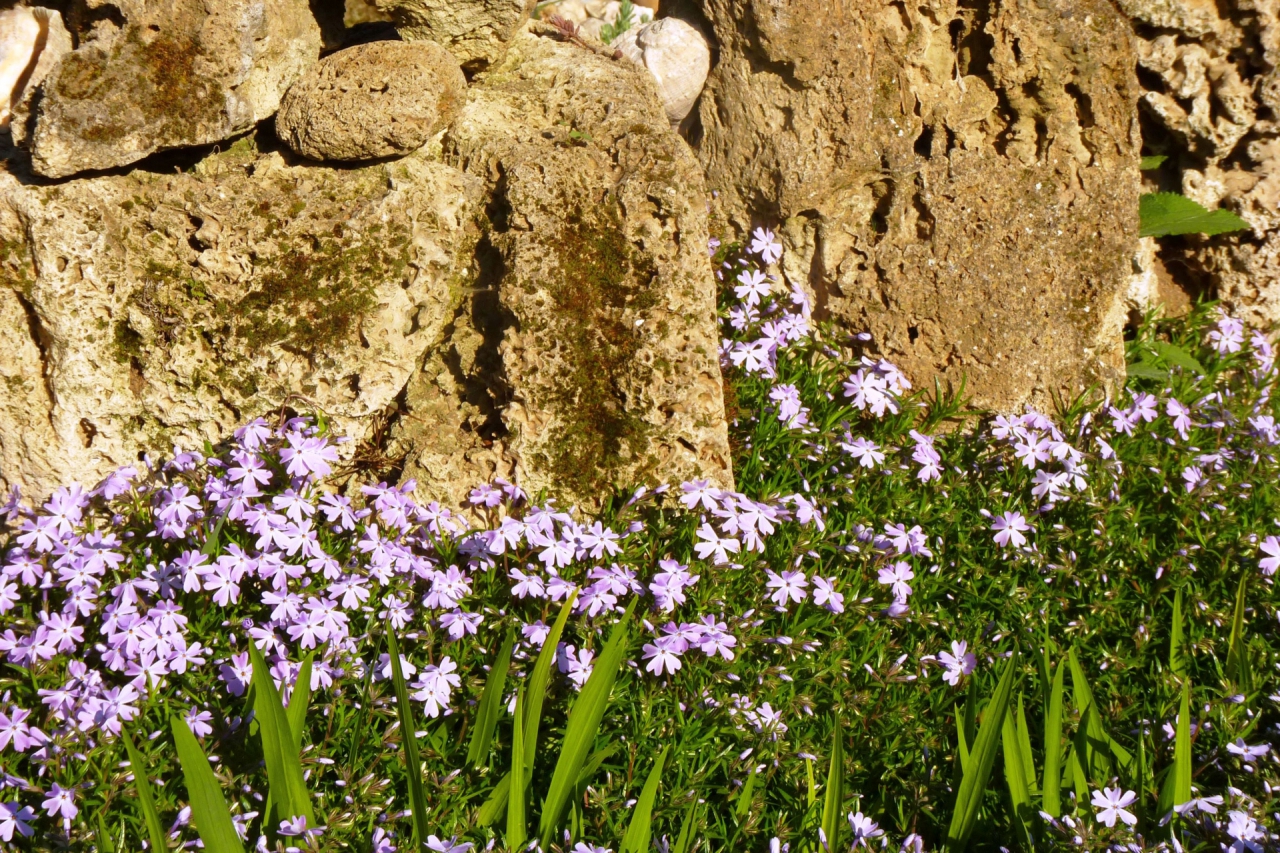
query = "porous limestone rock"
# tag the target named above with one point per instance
(145, 309)
(475, 31)
(959, 179)
(1211, 97)
(172, 73)
(587, 354)
(372, 100)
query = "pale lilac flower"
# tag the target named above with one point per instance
(864, 829)
(825, 595)
(1181, 417)
(575, 664)
(535, 634)
(1246, 752)
(1010, 527)
(896, 576)
(714, 546)
(959, 662)
(1205, 805)
(1111, 803)
(1271, 547)
(306, 457)
(699, 493)
(1192, 478)
(15, 817)
(435, 686)
(1245, 832)
(753, 287)
(664, 652)
(787, 586)
(864, 450)
(766, 245)
(790, 410)
(61, 801)
(382, 842)
(450, 846)
(198, 721)
(1227, 336)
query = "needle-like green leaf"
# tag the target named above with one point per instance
(1177, 785)
(982, 758)
(640, 829)
(299, 700)
(288, 788)
(582, 727)
(1177, 664)
(209, 810)
(490, 705)
(1016, 779)
(409, 734)
(833, 797)
(685, 841)
(1051, 799)
(1237, 652)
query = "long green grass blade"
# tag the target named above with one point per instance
(1177, 664)
(517, 825)
(209, 810)
(409, 734)
(982, 758)
(1024, 749)
(685, 841)
(287, 787)
(497, 802)
(593, 764)
(640, 829)
(1015, 778)
(966, 725)
(582, 727)
(536, 689)
(746, 795)
(146, 794)
(1237, 651)
(490, 706)
(1177, 785)
(102, 837)
(833, 797)
(299, 701)
(1051, 799)
(1095, 754)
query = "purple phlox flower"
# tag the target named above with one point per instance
(926, 456)
(715, 639)
(585, 847)
(712, 545)
(396, 611)
(1111, 803)
(1227, 336)
(1181, 417)
(753, 287)
(559, 589)
(575, 664)
(450, 846)
(1247, 752)
(66, 508)
(1009, 528)
(1192, 478)
(526, 585)
(536, 633)
(766, 245)
(253, 435)
(199, 722)
(448, 588)
(753, 356)
(864, 450)
(61, 801)
(237, 674)
(1205, 805)
(15, 817)
(664, 652)
(14, 730)
(1245, 833)
(296, 827)
(1048, 486)
(907, 542)
(958, 663)
(1271, 547)
(870, 391)
(699, 493)
(407, 668)
(597, 541)
(791, 412)
(825, 595)
(1031, 448)
(435, 686)
(788, 586)
(459, 623)
(307, 457)
(381, 842)
(864, 829)
(486, 496)
(1143, 407)
(896, 577)
(1122, 420)
(597, 598)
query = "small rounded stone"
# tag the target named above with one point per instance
(372, 100)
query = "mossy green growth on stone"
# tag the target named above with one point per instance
(604, 280)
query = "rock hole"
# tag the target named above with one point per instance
(686, 444)
(952, 144)
(62, 264)
(924, 142)
(913, 332)
(1084, 105)
(882, 192)
(924, 219)
(87, 432)
(970, 41)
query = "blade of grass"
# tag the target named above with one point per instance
(146, 794)
(593, 764)
(833, 797)
(1024, 749)
(1237, 651)
(102, 837)
(490, 705)
(1051, 800)
(493, 807)
(685, 842)
(1177, 664)
(582, 726)
(1095, 752)
(982, 758)
(640, 829)
(517, 825)
(1177, 784)
(536, 689)
(1016, 780)
(287, 787)
(746, 795)
(409, 734)
(298, 702)
(209, 810)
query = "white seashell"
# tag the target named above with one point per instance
(19, 35)
(678, 57)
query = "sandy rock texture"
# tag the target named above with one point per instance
(587, 353)
(957, 178)
(153, 75)
(52, 42)
(372, 100)
(477, 32)
(1210, 75)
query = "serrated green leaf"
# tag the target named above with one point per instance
(146, 794)
(1145, 370)
(1165, 214)
(1177, 356)
(640, 829)
(490, 706)
(209, 810)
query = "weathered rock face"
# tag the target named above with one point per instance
(587, 355)
(22, 72)
(372, 100)
(176, 73)
(959, 179)
(527, 302)
(477, 32)
(1211, 80)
